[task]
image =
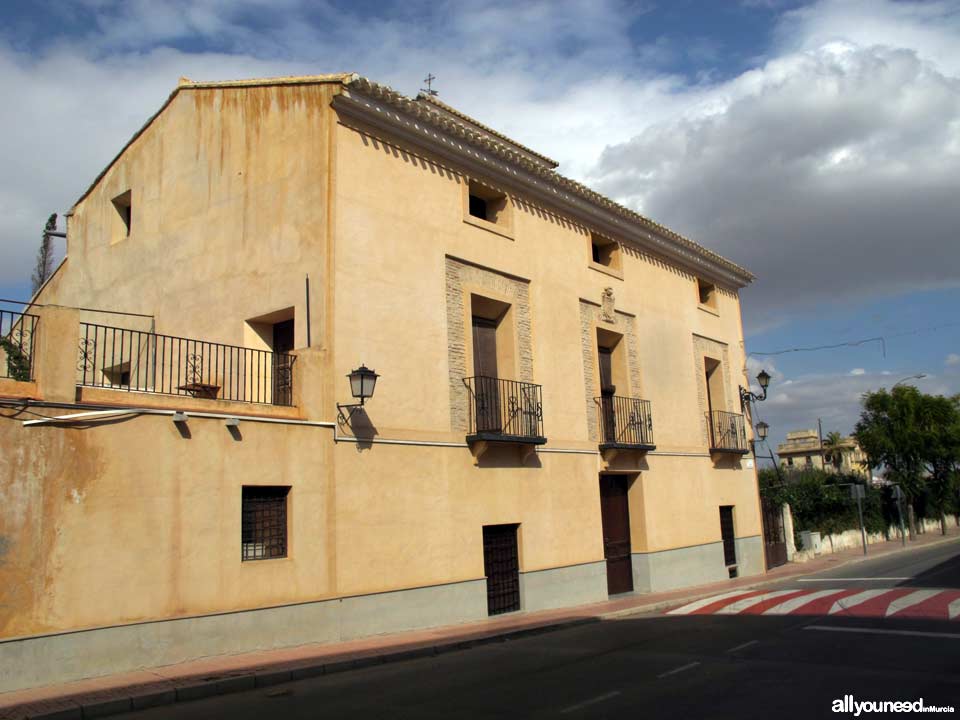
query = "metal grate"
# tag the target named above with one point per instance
(264, 523)
(502, 568)
(727, 533)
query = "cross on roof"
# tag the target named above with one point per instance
(429, 81)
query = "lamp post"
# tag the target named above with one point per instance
(763, 377)
(762, 429)
(363, 381)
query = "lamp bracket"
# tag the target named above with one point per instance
(344, 419)
(746, 396)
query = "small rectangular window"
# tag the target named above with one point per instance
(485, 203)
(264, 522)
(707, 292)
(604, 251)
(123, 204)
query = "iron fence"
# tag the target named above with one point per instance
(506, 408)
(134, 360)
(625, 421)
(727, 431)
(17, 331)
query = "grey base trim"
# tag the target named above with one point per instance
(694, 565)
(51, 659)
(75, 655)
(565, 586)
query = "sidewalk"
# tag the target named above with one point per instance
(220, 675)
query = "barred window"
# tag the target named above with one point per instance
(264, 523)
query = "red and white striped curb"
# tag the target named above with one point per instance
(927, 603)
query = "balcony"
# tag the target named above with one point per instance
(625, 423)
(17, 332)
(136, 361)
(727, 433)
(504, 411)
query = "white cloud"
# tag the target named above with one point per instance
(858, 371)
(953, 359)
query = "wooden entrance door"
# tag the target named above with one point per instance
(489, 417)
(501, 565)
(615, 517)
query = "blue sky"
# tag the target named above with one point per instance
(816, 143)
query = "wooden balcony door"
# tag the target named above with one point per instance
(615, 517)
(282, 382)
(489, 417)
(607, 391)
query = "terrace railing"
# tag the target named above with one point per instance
(134, 360)
(17, 332)
(625, 422)
(505, 410)
(727, 433)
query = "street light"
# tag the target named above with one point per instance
(763, 377)
(762, 430)
(363, 381)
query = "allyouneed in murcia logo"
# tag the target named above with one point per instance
(848, 704)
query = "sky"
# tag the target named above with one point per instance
(815, 143)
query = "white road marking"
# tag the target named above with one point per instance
(680, 669)
(914, 598)
(878, 631)
(838, 579)
(691, 607)
(785, 608)
(854, 600)
(591, 701)
(744, 645)
(953, 609)
(741, 605)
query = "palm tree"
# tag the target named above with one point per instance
(833, 447)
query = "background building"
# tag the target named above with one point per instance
(803, 449)
(557, 416)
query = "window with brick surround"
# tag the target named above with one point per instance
(264, 522)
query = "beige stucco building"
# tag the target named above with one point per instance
(803, 450)
(557, 415)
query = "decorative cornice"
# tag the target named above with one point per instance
(479, 153)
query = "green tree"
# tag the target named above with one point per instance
(44, 264)
(940, 422)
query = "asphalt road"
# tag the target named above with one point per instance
(656, 665)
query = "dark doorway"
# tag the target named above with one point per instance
(615, 517)
(774, 538)
(501, 565)
(282, 363)
(728, 534)
(607, 391)
(489, 417)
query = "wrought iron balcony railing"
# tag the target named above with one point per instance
(505, 410)
(727, 433)
(17, 344)
(147, 362)
(625, 423)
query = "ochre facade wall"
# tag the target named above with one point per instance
(238, 193)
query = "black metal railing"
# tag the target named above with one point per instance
(625, 422)
(140, 361)
(17, 332)
(505, 409)
(727, 432)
